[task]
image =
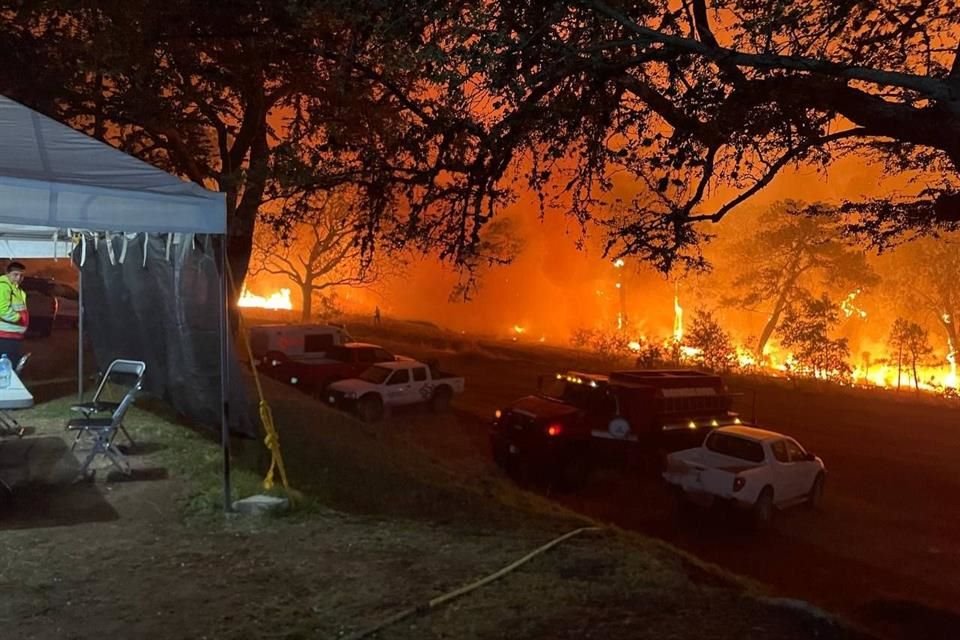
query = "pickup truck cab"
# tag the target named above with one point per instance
(748, 468)
(342, 361)
(393, 384)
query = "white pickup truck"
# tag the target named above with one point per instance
(749, 468)
(391, 384)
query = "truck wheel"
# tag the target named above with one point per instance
(370, 408)
(573, 474)
(320, 389)
(682, 508)
(763, 510)
(440, 401)
(815, 497)
(501, 454)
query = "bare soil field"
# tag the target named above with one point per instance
(385, 524)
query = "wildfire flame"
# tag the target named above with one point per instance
(677, 315)
(850, 309)
(517, 329)
(277, 300)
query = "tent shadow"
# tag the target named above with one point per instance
(42, 473)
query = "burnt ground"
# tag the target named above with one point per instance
(884, 549)
(385, 524)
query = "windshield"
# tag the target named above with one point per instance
(581, 396)
(734, 446)
(375, 375)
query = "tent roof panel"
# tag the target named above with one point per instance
(54, 176)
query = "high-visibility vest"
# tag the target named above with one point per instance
(14, 316)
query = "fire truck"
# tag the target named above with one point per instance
(579, 421)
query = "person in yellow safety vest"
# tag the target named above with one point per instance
(14, 316)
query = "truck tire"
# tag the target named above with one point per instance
(573, 474)
(319, 390)
(815, 496)
(763, 510)
(370, 408)
(440, 401)
(501, 454)
(682, 508)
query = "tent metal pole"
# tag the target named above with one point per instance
(224, 376)
(80, 335)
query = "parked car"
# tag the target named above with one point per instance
(342, 361)
(748, 468)
(42, 304)
(391, 384)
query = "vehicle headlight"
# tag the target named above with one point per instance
(294, 380)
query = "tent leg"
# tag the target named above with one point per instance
(224, 376)
(80, 335)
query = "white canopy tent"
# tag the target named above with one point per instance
(57, 183)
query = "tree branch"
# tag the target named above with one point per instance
(931, 87)
(784, 160)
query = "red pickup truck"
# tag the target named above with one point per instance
(341, 361)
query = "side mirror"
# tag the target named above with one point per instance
(809, 457)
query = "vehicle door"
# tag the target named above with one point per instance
(364, 359)
(421, 386)
(398, 388)
(804, 470)
(782, 471)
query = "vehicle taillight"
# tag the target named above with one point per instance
(554, 430)
(738, 483)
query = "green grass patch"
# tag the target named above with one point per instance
(189, 455)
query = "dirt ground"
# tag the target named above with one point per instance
(385, 525)
(884, 549)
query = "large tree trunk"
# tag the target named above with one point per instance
(899, 365)
(773, 320)
(916, 381)
(242, 210)
(306, 293)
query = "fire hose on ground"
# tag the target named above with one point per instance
(456, 593)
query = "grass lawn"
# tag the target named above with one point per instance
(382, 527)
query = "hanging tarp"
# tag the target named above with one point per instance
(165, 312)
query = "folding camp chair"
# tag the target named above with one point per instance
(123, 374)
(103, 431)
(9, 426)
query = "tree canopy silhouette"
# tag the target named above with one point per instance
(440, 112)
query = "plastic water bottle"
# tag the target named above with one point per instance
(6, 369)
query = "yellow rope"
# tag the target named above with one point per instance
(272, 437)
